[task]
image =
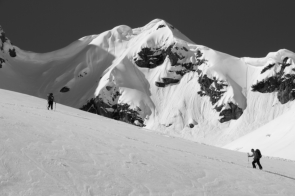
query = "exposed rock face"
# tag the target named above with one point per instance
(232, 113)
(2, 61)
(12, 52)
(211, 87)
(167, 81)
(64, 89)
(161, 26)
(170, 81)
(124, 113)
(4, 40)
(150, 58)
(153, 57)
(215, 89)
(160, 84)
(121, 112)
(107, 105)
(282, 81)
(90, 106)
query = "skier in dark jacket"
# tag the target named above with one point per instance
(257, 155)
(50, 99)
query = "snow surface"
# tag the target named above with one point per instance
(93, 64)
(72, 152)
(276, 138)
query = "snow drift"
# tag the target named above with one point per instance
(154, 76)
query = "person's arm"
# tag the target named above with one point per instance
(250, 155)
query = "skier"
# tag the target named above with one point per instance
(50, 99)
(256, 158)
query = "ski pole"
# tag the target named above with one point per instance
(55, 107)
(248, 159)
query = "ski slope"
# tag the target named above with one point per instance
(71, 152)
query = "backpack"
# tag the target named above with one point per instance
(259, 155)
(50, 98)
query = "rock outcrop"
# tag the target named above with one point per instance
(215, 89)
(5, 47)
(282, 80)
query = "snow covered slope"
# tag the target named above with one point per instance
(72, 152)
(155, 76)
(275, 139)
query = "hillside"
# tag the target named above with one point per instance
(72, 152)
(275, 139)
(154, 76)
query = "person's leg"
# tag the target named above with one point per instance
(253, 164)
(258, 163)
(51, 105)
(48, 105)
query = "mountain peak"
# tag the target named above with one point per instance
(155, 76)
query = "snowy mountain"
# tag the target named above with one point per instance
(69, 152)
(154, 76)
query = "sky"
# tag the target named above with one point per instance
(240, 28)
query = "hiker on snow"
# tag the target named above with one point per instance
(50, 99)
(257, 156)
